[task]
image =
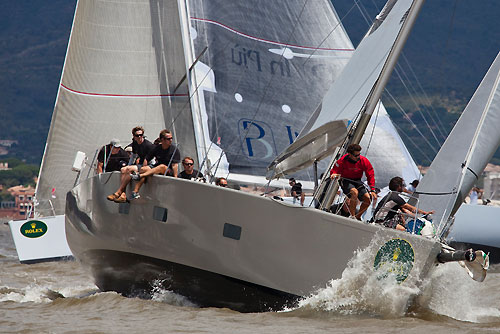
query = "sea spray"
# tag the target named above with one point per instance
(449, 291)
(32, 293)
(160, 294)
(362, 289)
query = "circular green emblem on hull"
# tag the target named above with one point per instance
(33, 229)
(396, 256)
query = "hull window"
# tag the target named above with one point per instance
(124, 208)
(232, 231)
(160, 214)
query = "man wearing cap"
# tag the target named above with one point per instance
(111, 157)
(296, 191)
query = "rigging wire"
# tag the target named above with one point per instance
(417, 107)
(441, 127)
(364, 12)
(411, 122)
(423, 104)
(379, 105)
(410, 140)
(446, 44)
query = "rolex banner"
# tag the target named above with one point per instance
(41, 239)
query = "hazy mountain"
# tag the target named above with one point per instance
(33, 40)
(450, 49)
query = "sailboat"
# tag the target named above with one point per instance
(196, 67)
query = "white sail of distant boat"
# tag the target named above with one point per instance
(466, 152)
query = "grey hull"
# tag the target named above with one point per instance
(219, 246)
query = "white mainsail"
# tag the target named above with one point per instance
(465, 153)
(123, 62)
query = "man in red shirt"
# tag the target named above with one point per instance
(351, 168)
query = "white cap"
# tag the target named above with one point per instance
(115, 142)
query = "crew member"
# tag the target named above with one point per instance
(350, 167)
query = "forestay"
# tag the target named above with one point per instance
(124, 60)
(465, 153)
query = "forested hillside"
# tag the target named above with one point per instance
(450, 49)
(33, 40)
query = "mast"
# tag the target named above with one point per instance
(392, 59)
(193, 85)
(358, 129)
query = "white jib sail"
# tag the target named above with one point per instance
(465, 153)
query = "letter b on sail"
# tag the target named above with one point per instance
(257, 139)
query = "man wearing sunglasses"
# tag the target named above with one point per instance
(350, 169)
(189, 173)
(166, 157)
(221, 182)
(141, 147)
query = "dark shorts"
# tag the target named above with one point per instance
(391, 222)
(347, 185)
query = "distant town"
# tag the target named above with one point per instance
(5, 145)
(17, 186)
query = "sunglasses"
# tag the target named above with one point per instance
(188, 163)
(223, 184)
(355, 155)
(169, 138)
(139, 135)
